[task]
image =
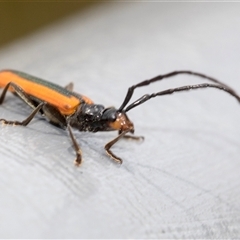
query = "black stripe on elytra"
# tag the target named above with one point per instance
(40, 81)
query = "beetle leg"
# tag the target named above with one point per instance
(111, 143)
(138, 138)
(27, 120)
(54, 116)
(20, 92)
(78, 160)
(69, 87)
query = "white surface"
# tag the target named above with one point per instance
(182, 181)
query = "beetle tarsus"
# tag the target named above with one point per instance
(78, 160)
(114, 157)
(137, 138)
(14, 123)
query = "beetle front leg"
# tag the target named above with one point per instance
(111, 143)
(130, 137)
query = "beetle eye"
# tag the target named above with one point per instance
(109, 114)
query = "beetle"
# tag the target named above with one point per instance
(66, 109)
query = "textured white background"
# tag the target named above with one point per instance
(182, 181)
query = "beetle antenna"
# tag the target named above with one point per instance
(146, 97)
(164, 76)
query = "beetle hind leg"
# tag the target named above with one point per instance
(27, 120)
(18, 91)
(26, 98)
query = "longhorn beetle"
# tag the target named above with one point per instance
(66, 109)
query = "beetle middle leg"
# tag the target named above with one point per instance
(56, 118)
(78, 159)
(69, 87)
